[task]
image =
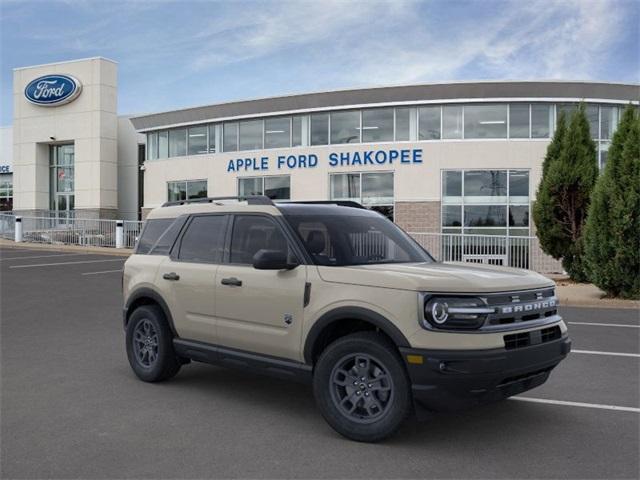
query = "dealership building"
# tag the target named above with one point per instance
(449, 157)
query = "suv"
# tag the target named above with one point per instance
(336, 295)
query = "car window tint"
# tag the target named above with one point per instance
(168, 238)
(252, 233)
(203, 241)
(152, 231)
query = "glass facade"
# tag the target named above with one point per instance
(382, 124)
(61, 179)
(6, 192)
(275, 187)
(486, 202)
(186, 190)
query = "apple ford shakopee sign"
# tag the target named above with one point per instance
(53, 90)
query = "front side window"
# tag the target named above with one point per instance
(197, 140)
(275, 187)
(485, 121)
(319, 129)
(429, 123)
(203, 240)
(251, 135)
(252, 233)
(178, 142)
(186, 190)
(345, 127)
(355, 239)
(277, 132)
(377, 125)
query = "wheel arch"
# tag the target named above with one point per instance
(147, 296)
(321, 330)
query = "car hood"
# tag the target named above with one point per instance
(449, 277)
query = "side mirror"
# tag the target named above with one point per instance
(272, 260)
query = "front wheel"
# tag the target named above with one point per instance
(150, 345)
(361, 387)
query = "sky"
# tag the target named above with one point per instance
(176, 54)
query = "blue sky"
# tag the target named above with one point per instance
(185, 53)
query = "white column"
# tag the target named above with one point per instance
(119, 234)
(18, 230)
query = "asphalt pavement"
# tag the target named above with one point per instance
(72, 408)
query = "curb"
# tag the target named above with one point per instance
(65, 248)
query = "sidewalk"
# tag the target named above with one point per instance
(124, 252)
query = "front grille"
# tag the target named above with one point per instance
(527, 306)
(536, 337)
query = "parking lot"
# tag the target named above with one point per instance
(72, 408)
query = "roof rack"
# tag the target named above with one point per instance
(340, 203)
(250, 199)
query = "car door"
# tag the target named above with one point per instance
(188, 276)
(259, 310)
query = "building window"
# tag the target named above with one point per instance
(163, 144)
(452, 121)
(485, 202)
(277, 132)
(320, 129)
(608, 122)
(373, 190)
(403, 124)
(541, 120)
(485, 121)
(152, 146)
(186, 190)
(230, 137)
(178, 142)
(377, 125)
(6, 192)
(519, 120)
(251, 135)
(212, 138)
(345, 127)
(296, 131)
(276, 187)
(429, 123)
(62, 175)
(197, 140)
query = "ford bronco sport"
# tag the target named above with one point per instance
(337, 295)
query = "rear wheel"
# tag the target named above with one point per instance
(361, 387)
(150, 345)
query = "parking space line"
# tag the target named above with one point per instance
(614, 354)
(68, 263)
(577, 404)
(42, 256)
(604, 324)
(104, 271)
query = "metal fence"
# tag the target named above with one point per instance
(7, 226)
(132, 229)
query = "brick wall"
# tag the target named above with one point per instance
(418, 216)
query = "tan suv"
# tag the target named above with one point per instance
(337, 295)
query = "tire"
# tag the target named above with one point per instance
(149, 343)
(384, 398)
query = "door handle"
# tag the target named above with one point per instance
(232, 281)
(171, 276)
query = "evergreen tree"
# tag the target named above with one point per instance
(612, 232)
(563, 197)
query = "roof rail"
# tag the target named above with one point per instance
(340, 203)
(250, 199)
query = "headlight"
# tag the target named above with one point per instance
(455, 312)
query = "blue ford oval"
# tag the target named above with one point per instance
(52, 90)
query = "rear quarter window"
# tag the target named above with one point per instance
(153, 230)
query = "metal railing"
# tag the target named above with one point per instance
(132, 229)
(7, 226)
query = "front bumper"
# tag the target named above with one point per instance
(448, 380)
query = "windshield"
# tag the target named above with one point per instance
(343, 240)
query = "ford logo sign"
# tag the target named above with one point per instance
(53, 90)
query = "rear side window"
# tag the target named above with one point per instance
(168, 238)
(153, 229)
(203, 241)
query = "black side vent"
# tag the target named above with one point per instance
(521, 340)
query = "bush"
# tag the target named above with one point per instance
(612, 232)
(569, 174)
